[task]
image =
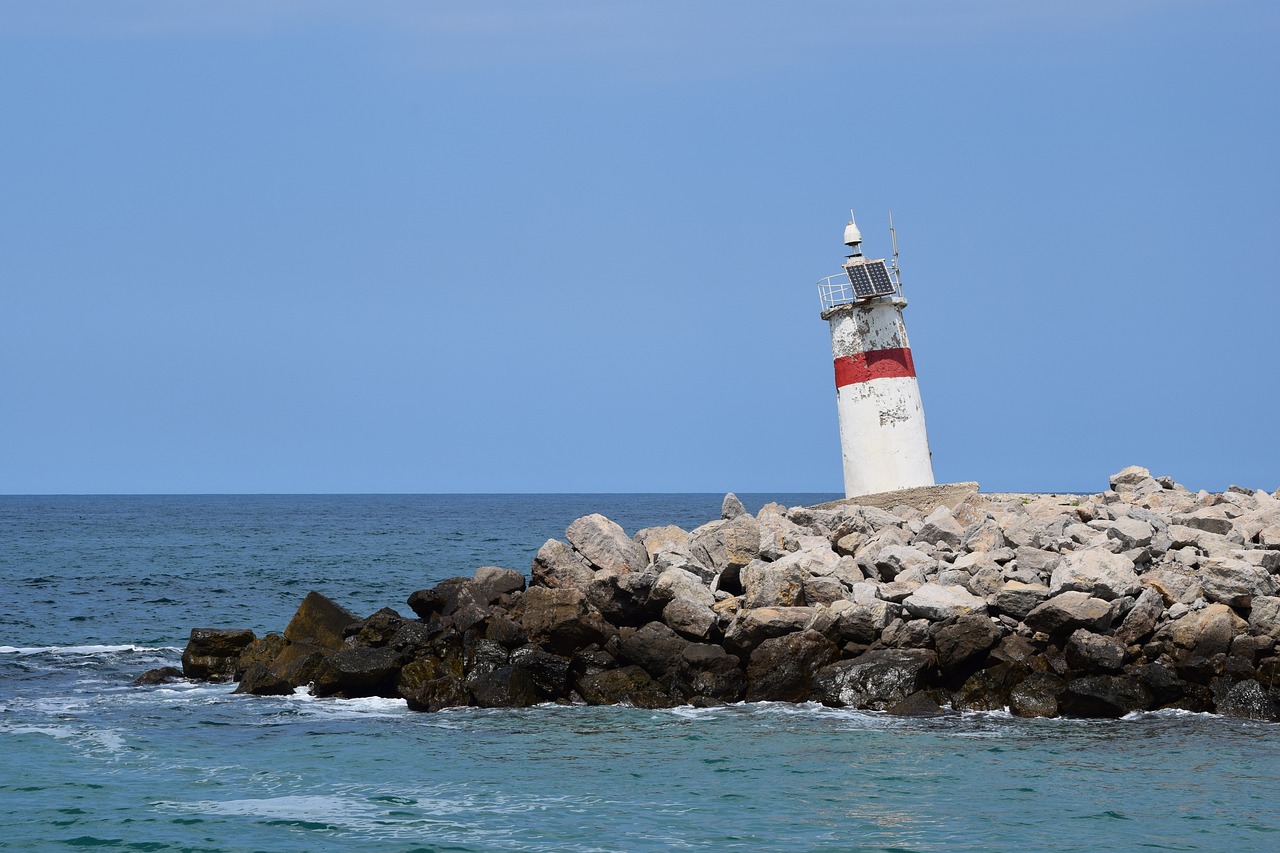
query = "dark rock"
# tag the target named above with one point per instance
(781, 669)
(502, 629)
(162, 675)
(709, 672)
(989, 689)
(1141, 619)
(656, 648)
(352, 673)
(213, 654)
(1249, 700)
(876, 679)
(504, 687)
(620, 598)
(560, 620)
(378, 629)
(863, 623)
(964, 640)
(263, 650)
(1036, 696)
(1161, 681)
(319, 621)
(436, 680)
(630, 685)
(259, 680)
(1108, 696)
(444, 598)
(299, 663)
(1087, 652)
(491, 583)
(549, 673)
(918, 704)
(591, 662)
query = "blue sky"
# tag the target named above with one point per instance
(572, 246)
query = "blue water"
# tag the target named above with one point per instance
(98, 589)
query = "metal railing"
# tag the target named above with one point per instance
(836, 290)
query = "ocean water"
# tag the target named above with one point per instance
(98, 589)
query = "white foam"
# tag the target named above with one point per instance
(83, 650)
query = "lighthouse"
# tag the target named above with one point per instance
(882, 434)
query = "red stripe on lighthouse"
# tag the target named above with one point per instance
(877, 364)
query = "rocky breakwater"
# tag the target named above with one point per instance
(1143, 597)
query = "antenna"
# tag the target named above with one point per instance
(893, 234)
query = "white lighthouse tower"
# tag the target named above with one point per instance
(882, 434)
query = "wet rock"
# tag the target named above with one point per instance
(989, 689)
(1036, 696)
(655, 647)
(161, 675)
(353, 673)
(630, 685)
(437, 680)
(320, 621)
(1109, 696)
(212, 654)
(874, 680)
(263, 650)
(298, 664)
(709, 671)
(1249, 700)
(259, 680)
(549, 673)
(1090, 653)
(505, 687)
(918, 704)
(782, 669)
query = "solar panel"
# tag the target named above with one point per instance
(862, 287)
(869, 279)
(881, 284)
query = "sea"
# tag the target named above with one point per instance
(94, 590)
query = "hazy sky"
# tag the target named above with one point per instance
(571, 246)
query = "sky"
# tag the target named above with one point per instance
(322, 247)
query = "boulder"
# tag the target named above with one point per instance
(1099, 573)
(263, 650)
(1235, 582)
(729, 544)
(505, 687)
(709, 671)
(781, 669)
(988, 689)
(630, 685)
(445, 598)
(965, 641)
(1087, 652)
(918, 704)
(560, 620)
(1264, 617)
(655, 647)
(320, 621)
(213, 654)
(1067, 611)
(1142, 618)
(1018, 599)
(259, 680)
(1109, 696)
(940, 526)
(752, 626)
(1249, 700)
(357, 672)
(894, 560)
(549, 673)
(298, 664)
(731, 507)
(493, 582)
(160, 675)
(620, 597)
(1036, 696)
(874, 680)
(1174, 583)
(937, 602)
(605, 545)
(558, 566)
(690, 618)
(863, 622)
(435, 681)
(779, 584)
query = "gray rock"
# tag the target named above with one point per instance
(874, 680)
(1175, 583)
(779, 584)
(1235, 582)
(678, 582)
(1210, 519)
(823, 590)
(1067, 611)
(1037, 560)
(605, 545)
(940, 526)
(752, 626)
(1130, 532)
(1142, 618)
(1018, 599)
(727, 544)
(493, 582)
(893, 560)
(1264, 617)
(666, 546)
(1099, 573)
(864, 622)
(558, 566)
(731, 507)
(1087, 652)
(936, 602)
(689, 618)
(983, 535)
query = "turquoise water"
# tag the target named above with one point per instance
(99, 589)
